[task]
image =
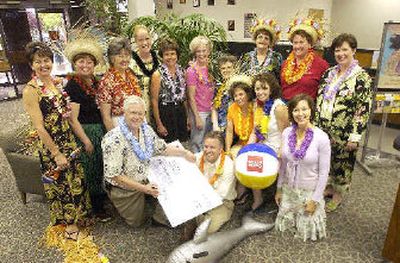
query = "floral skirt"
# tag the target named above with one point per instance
(292, 216)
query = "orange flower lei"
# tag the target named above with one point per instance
(244, 134)
(292, 71)
(218, 172)
(129, 86)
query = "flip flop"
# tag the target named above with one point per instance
(331, 206)
(242, 199)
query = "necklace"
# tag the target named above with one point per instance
(171, 83)
(218, 97)
(63, 107)
(331, 90)
(244, 133)
(262, 128)
(128, 86)
(301, 152)
(293, 71)
(205, 80)
(88, 89)
(143, 155)
(142, 66)
(218, 172)
(254, 65)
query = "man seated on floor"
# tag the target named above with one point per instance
(127, 150)
(218, 169)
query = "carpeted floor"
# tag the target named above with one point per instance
(356, 231)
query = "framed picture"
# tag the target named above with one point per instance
(182, 1)
(231, 2)
(388, 72)
(169, 4)
(196, 3)
(248, 20)
(231, 25)
(211, 2)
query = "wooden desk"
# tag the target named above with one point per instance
(391, 249)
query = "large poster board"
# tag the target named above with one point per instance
(389, 62)
(184, 192)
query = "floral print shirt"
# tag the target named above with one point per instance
(271, 64)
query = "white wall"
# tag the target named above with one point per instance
(282, 10)
(364, 19)
(137, 8)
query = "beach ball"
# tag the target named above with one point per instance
(256, 166)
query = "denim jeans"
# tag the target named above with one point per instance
(196, 135)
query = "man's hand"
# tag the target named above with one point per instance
(189, 156)
(151, 189)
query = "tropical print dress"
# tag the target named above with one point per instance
(68, 198)
(272, 63)
(344, 118)
(221, 102)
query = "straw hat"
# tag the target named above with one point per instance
(269, 25)
(84, 45)
(311, 26)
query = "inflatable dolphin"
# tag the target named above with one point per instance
(210, 249)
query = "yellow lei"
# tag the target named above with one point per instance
(245, 133)
(218, 97)
(292, 71)
(261, 120)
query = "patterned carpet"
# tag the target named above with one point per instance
(356, 232)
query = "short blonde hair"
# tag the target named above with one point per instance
(133, 99)
(138, 27)
(198, 41)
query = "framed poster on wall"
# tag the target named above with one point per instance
(388, 73)
(196, 3)
(248, 20)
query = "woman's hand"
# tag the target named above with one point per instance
(151, 189)
(199, 123)
(278, 197)
(61, 161)
(351, 146)
(89, 148)
(162, 130)
(310, 207)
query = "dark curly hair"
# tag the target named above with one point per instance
(39, 48)
(241, 85)
(168, 44)
(268, 78)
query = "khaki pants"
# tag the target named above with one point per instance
(219, 216)
(130, 205)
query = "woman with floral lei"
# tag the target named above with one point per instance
(240, 123)
(303, 69)
(343, 104)
(49, 109)
(168, 95)
(144, 63)
(270, 118)
(84, 54)
(303, 173)
(222, 100)
(263, 59)
(200, 91)
(117, 83)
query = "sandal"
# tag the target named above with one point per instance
(242, 199)
(71, 235)
(332, 206)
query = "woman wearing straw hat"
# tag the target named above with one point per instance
(263, 59)
(84, 54)
(303, 69)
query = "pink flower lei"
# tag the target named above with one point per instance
(301, 152)
(64, 111)
(331, 90)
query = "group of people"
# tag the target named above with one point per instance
(311, 115)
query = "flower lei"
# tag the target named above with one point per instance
(171, 83)
(218, 97)
(262, 128)
(254, 61)
(331, 90)
(143, 155)
(128, 86)
(292, 71)
(56, 100)
(301, 152)
(218, 172)
(244, 134)
(88, 89)
(203, 80)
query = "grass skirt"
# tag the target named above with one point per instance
(291, 215)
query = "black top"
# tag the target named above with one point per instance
(89, 113)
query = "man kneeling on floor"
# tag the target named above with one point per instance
(127, 150)
(218, 169)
